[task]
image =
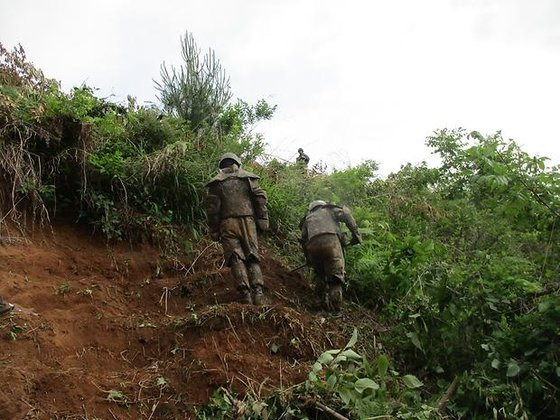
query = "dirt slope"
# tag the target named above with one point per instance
(118, 332)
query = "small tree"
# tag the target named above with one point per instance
(198, 90)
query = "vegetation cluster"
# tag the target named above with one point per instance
(460, 261)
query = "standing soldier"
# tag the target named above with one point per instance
(236, 207)
(302, 159)
(322, 241)
(5, 307)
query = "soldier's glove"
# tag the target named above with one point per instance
(215, 236)
(356, 239)
(262, 224)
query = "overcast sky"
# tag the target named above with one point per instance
(353, 80)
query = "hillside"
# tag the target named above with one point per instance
(114, 331)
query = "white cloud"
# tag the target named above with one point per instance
(353, 80)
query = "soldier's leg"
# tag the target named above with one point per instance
(315, 251)
(241, 277)
(334, 268)
(256, 282)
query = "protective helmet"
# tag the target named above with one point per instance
(227, 156)
(300, 150)
(316, 203)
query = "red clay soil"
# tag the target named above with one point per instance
(119, 332)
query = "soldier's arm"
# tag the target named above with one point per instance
(213, 204)
(344, 215)
(259, 202)
(303, 239)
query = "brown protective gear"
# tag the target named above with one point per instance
(326, 257)
(323, 219)
(322, 241)
(235, 205)
(255, 274)
(241, 277)
(262, 224)
(238, 236)
(231, 156)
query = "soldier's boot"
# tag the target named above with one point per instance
(335, 295)
(245, 295)
(5, 307)
(239, 272)
(320, 287)
(256, 281)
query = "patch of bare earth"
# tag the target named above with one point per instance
(118, 332)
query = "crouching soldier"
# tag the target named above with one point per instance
(5, 307)
(322, 241)
(236, 208)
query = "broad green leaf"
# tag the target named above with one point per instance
(353, 339)
(365, 383)
(495, 363)
(513, 369)
(331, 380)
(350, 354)
(325, 358)
(346, 395)
(415, 340)
(412, 381)
(382, 365)
(558, 371)
(317, 367)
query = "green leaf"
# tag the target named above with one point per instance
(274, 348)
(331, 380)
(353, 339)
(415, 340)
(543, 306)
(365, 383)
(161, 381)
(325, 358)
(495, 363)
(512, 369)
(412, 381)
(316, 367)
(558, 371)
(382, 365)
(350, 354)
(346, 395)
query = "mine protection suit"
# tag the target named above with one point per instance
(236, 207)
(322, 241)
(5, 307)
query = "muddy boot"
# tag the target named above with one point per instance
(320, 287)
(245, 295)
(335, 297)
(256, 281)
(5, 307)
(239, 272)
(258, 296)
(325, 297)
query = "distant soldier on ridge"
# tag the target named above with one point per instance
(302, 159)
(236, 208)
(322, 241)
